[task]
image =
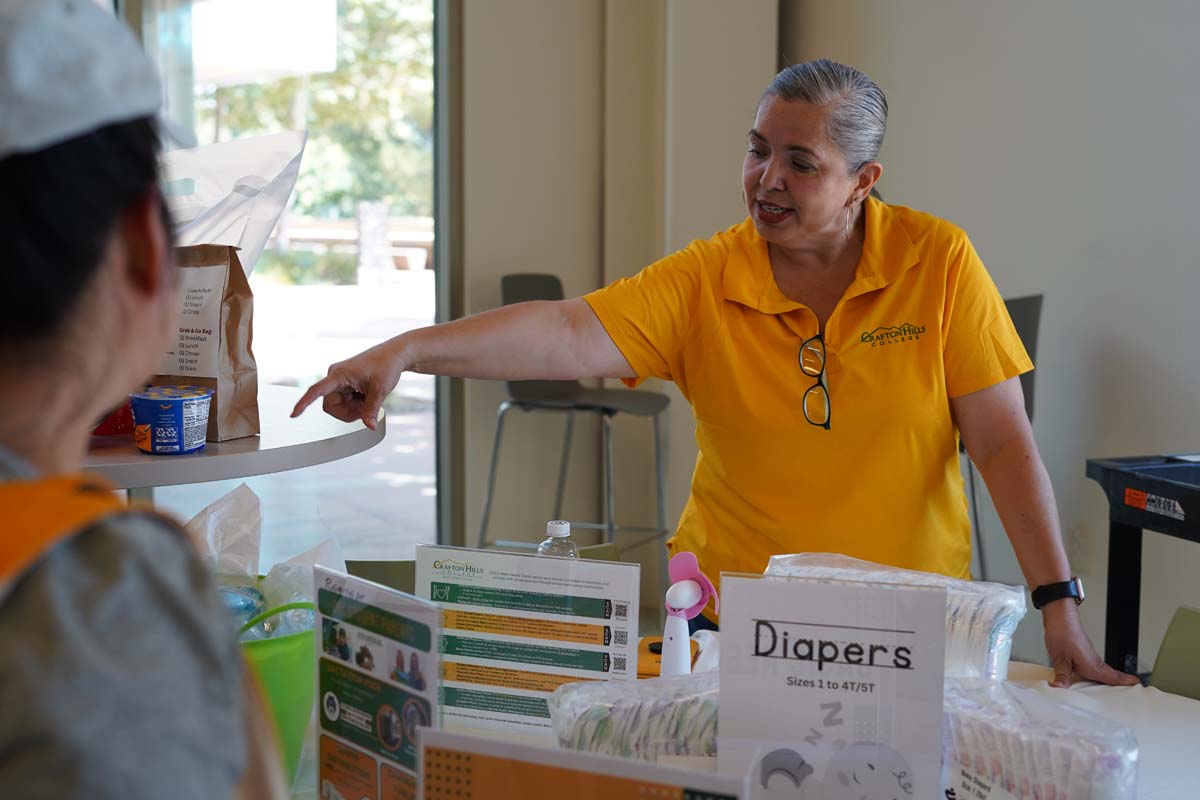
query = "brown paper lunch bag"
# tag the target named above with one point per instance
(214, 348)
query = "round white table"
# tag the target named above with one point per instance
(285, 443)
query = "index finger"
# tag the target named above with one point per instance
(327, 385)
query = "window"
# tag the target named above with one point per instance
(350, 262)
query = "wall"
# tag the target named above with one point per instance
(675, 127)
(598, 135)
(710, 107)
(1060, 136)
(634, 168)
(532, 149)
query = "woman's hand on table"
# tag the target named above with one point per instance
(356, 388)
(1071, 653)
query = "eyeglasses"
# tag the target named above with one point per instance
(816, 400)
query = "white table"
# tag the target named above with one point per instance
(285, 443)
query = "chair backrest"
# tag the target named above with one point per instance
(605, 551)
(1026, 314)
(400, 574)
(522, 287)
(1177, 666)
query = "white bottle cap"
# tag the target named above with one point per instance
(558, 528)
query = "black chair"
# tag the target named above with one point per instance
(570, 397)
(1026, 314)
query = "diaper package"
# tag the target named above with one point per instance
(980, 617)
(639, 719)
(1001, 740)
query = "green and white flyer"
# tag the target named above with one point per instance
(516, 627)
(831, 690)
(377, 684)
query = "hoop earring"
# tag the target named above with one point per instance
(848, 210)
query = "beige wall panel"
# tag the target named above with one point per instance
(1059, 136)
(532, 186)
(720, 58)
(683, 79)
(634, 165)
(598, 136)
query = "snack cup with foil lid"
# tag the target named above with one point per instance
(170, 420)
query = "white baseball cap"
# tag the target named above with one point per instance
(68, 67)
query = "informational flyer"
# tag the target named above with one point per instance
(831, 690)
(377, 685)
(466, 767)
(516, 627)
(195, 349)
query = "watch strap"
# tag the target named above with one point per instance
(1050, 592)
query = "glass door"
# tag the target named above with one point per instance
(351, 261)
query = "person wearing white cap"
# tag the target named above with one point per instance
(120, 676)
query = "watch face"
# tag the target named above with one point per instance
(1079, 590)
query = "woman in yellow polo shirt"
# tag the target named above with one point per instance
(833, 349)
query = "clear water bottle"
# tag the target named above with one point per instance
(558, 540)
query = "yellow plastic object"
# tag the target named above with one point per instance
(649, 656)
(286, 670)
(1177, 666)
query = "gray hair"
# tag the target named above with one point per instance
(857, 106)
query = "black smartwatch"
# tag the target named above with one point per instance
(1057, 591)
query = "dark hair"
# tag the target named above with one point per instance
(58, 209)
(858, 107)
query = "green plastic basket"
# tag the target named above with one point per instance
(287, 673)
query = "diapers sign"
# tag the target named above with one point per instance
(831, 690)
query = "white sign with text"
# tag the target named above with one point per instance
(377, 686)
(516, 627)
(196, 348)
(832, 690)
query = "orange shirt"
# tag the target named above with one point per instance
(921, 323)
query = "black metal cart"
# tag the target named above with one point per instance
(1157, 493)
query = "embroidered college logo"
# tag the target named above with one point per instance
(884, 335)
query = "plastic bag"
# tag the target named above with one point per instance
(639, 719)
(1004, 740)
(284, 623)
(1000, 740)
(981, 617)
(231, 527)
(232, 193)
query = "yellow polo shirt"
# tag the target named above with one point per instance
(921, 323)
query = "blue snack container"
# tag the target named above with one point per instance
(170, 420)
